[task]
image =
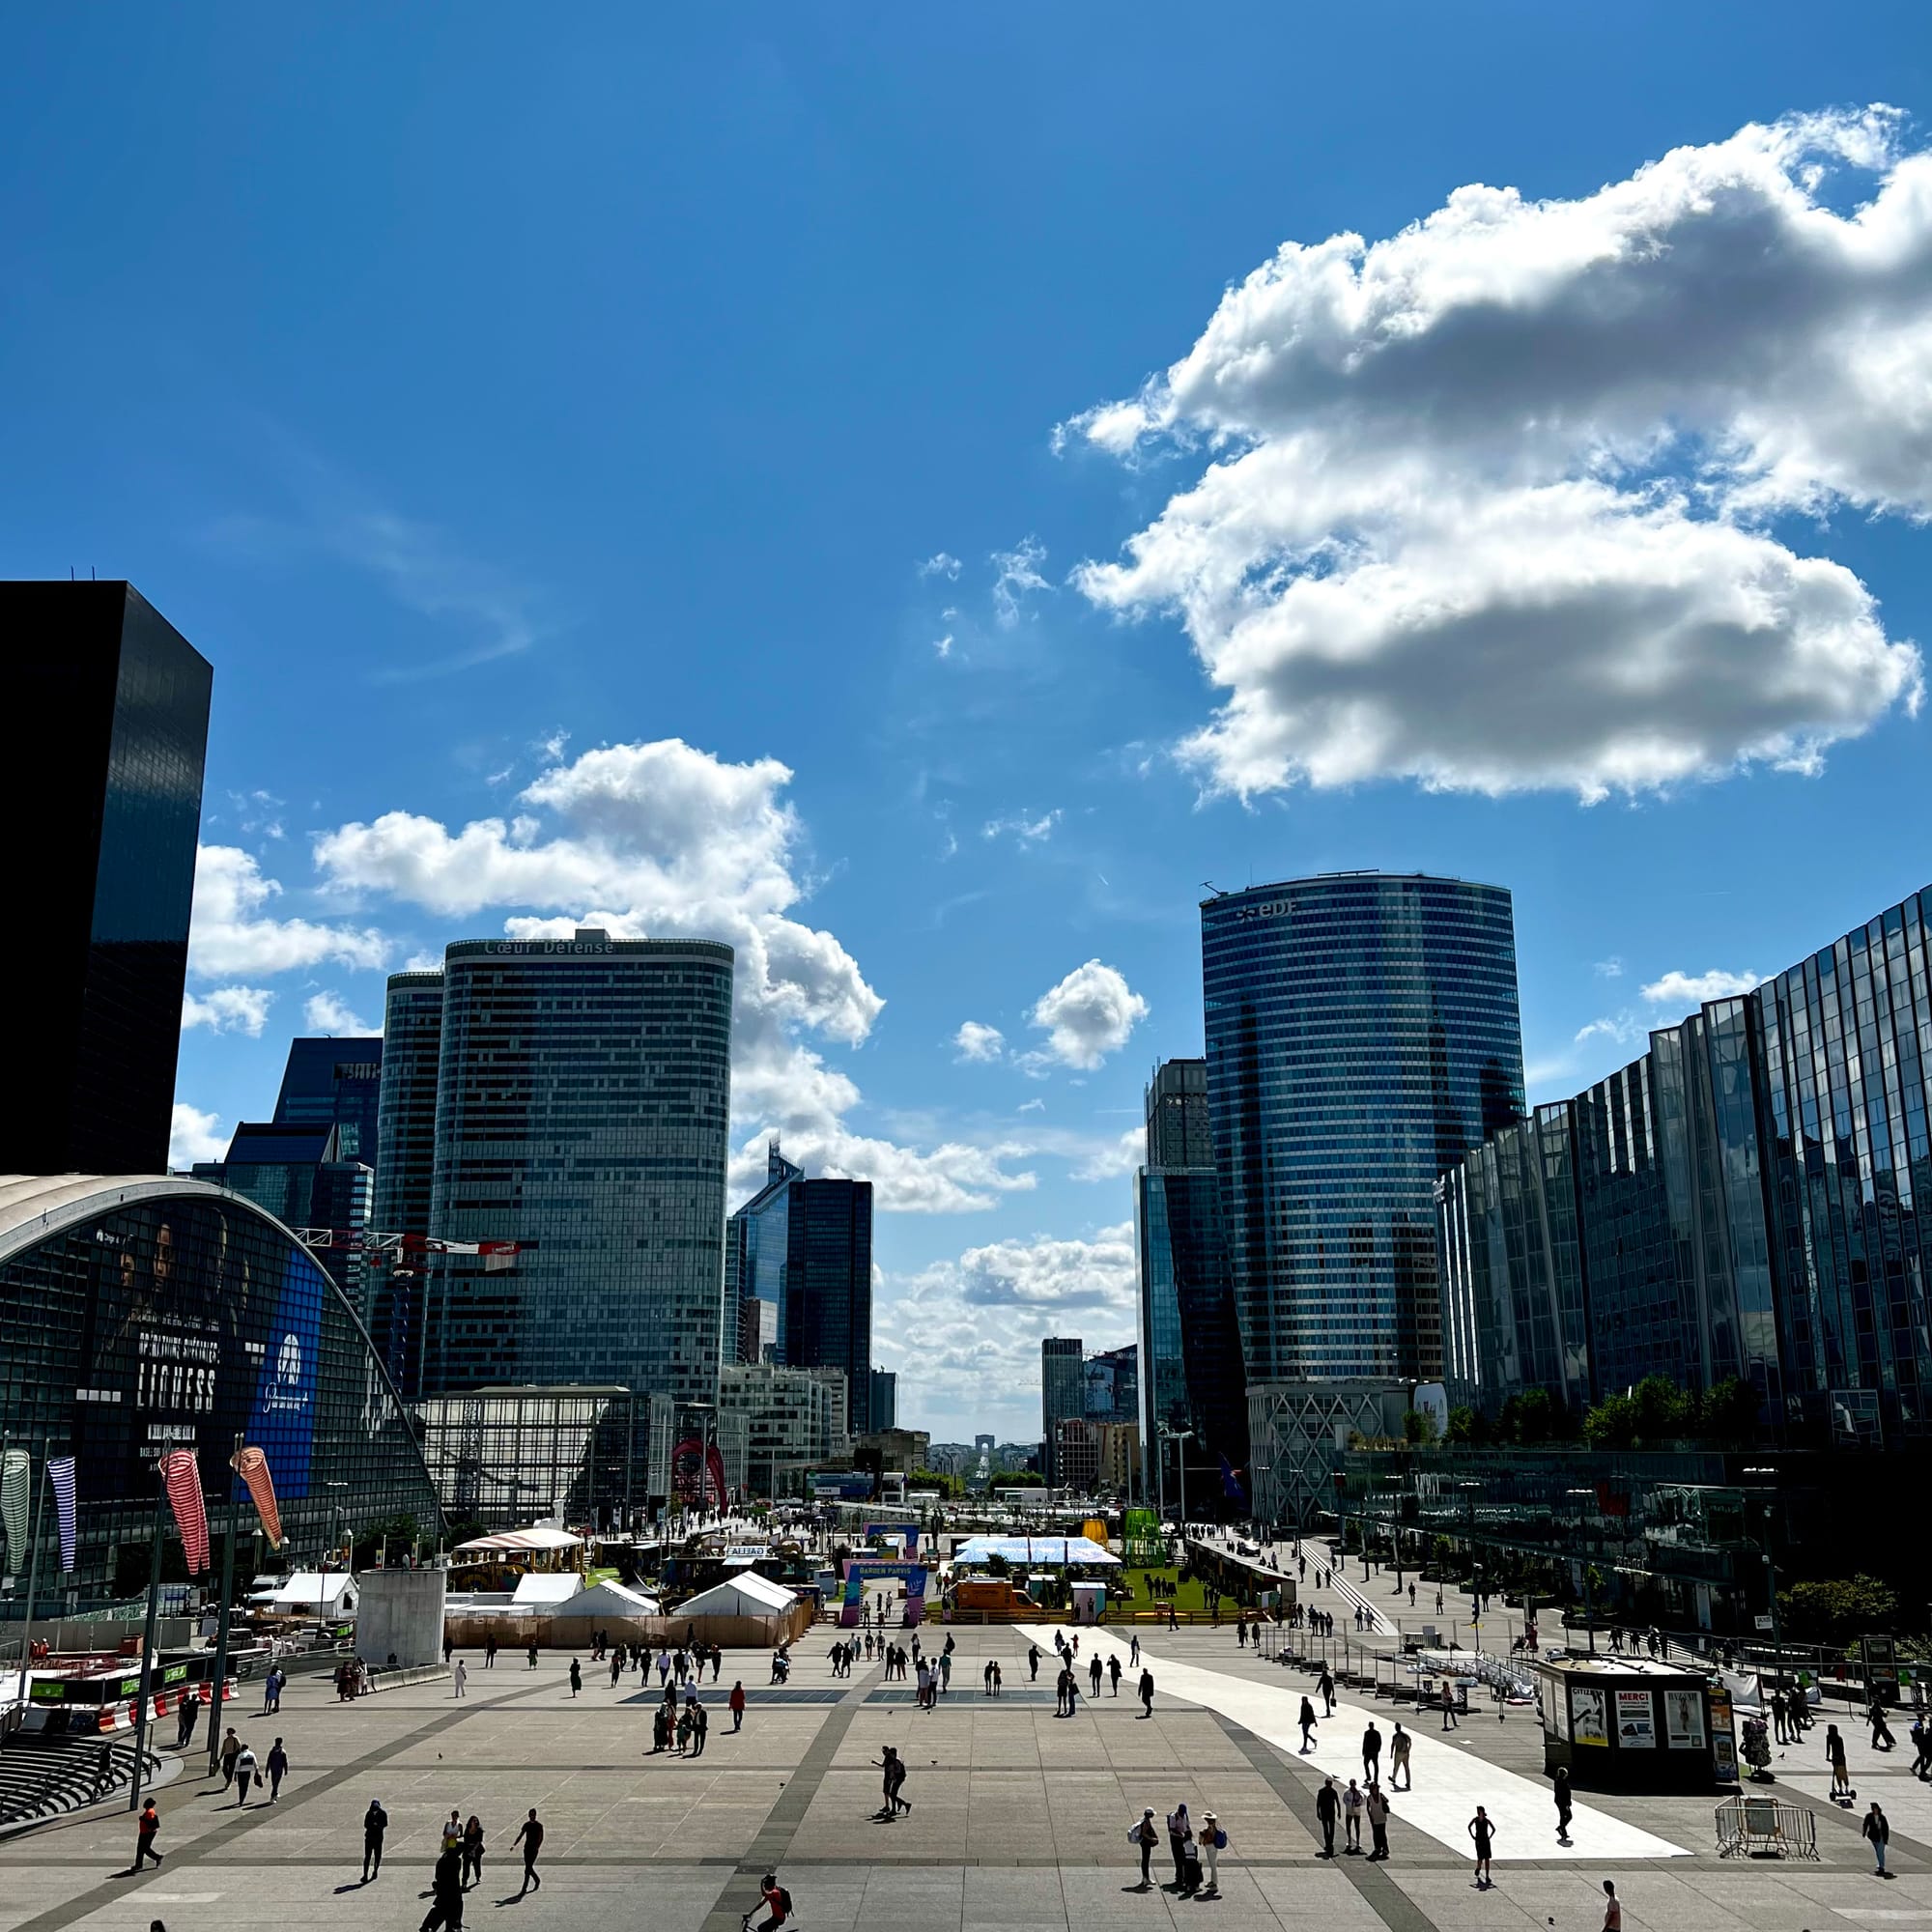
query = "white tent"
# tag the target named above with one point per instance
(745, 1594)
(309, 1592)
(543, 1591)
(1030, 1551)
(611, 1600)
(540, 1539)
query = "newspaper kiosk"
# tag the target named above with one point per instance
(1632, 1724)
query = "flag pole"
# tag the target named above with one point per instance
(33, 1570)
(221, 1627)
(148, 1641)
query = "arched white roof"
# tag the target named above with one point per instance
(34, 1205)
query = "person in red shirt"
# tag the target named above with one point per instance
(778, 1903)
(736, 1700)
(146, 1827)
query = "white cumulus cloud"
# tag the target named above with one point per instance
(228, 1010)
(1489, 500)
(964, 1335)
(1693, 990)
(1022, 828)
(665, 840)
(1017, 576)
(974, 1041)
(194, 1135)
(1088, 1016)
(1127, 1152)
(228, 933)
(940, 563)
(329, 1012)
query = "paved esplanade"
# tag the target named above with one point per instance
(1019, 1818)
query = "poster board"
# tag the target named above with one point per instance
(1637, 1719)
(1587, 1723)
(1683, 1719)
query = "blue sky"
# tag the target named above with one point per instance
(496, 403)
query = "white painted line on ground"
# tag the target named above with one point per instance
(1449, 1785)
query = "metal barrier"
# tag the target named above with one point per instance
(1753, 1827)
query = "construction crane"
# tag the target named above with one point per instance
(495, 1255)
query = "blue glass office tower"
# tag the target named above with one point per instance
(1363, 1033)
(111, 702)
(393, 1289)
(802, 1249)
(1191, 1371)
(335, 1083)
(1744, 1199)
(583, 1107)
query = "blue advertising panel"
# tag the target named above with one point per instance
(282, 1424)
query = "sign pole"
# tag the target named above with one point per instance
(34, 1567)
(221, 1627)
(148, 1643)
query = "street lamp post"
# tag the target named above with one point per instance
(1583, 1563)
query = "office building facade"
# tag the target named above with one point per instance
(393, 1289)
(1063, 1394)
(1113, 1379)
(798, 1268)
(1192, 1380)
(339, 1084)
(885, 1410)
(1363, 1033)
(1744, 1200)
(582, 1111)
(795, 1421)
(108, 872)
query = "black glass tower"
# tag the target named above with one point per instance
(334, 1083)
(111, 703)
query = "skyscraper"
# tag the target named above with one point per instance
(393, 1297)
(803, 1249)
(583, 1110)
(95, 671)
(884, 1400)
(1193, 1385)
(335, 1083)
(1362, 1035)
(1063, 1394)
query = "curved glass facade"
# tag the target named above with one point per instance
(149, 1315)
(1363, 1033)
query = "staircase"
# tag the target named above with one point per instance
(42, 1778)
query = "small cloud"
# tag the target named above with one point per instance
(1033, 1106)
(942, 647)
(1027, 831)
(1109, 1163)
(423, 962)
(1612, 967)
(1693, 990)
(329, 1012)
(1016, 577)
(975, 1041)
(228, 1010)
(941, 563)
(1087, 1017)
(194, 1135)
(1622, 1028)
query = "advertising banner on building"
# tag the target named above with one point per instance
(282, 1422)
(1587, 1725)
(1683, 1719)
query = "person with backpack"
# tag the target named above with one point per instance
(375, 1821)
(246, 1765)
(776, 1901)
(1144, 1836)
(1213, 1842)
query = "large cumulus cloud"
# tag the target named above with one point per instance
(1494, 501)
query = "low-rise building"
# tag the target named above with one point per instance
(795, 1420)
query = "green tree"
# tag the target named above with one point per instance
(1418, 1426)
(1836, 1609)
(1729, 1410)
(1664, 1411)
(1611, 1424)
(1469, 1428)
(1529, 1418)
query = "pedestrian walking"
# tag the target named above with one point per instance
(1371, 1753)
(1327, 1808)
(1878, 1835)
(472, 1849)
(1881, 1732)
(1324, 1689)
(1114, 1672)
(1562, 1793)
(375, 1821)
(1613, 1909)
(1147, 1694)
(1180, 1829)
(278, 1769)
(576, 1678)
(1834, 1756)
(530, 1835)
(533, 1654)
(1032, 1663)
(459, 1676)
(1450, 1721)
(246, 1765)
(445, 1891)
(1093, 1672)
(1376, 1805)
(700, 1727)
(1133, 1647)
(1000, 1677)
(146, 1829)
(1483, 1831)
(231, 1749)
(1307, 1722)
(1214, 1842)
(736, 1701)
(1921, 1745)
(186, 1720)
(490, 1652)
(1351, 1818)
(1399, 1745)
(1144, 1837)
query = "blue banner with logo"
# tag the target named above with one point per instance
(282, 1423)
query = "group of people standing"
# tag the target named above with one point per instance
(1196, 1854)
